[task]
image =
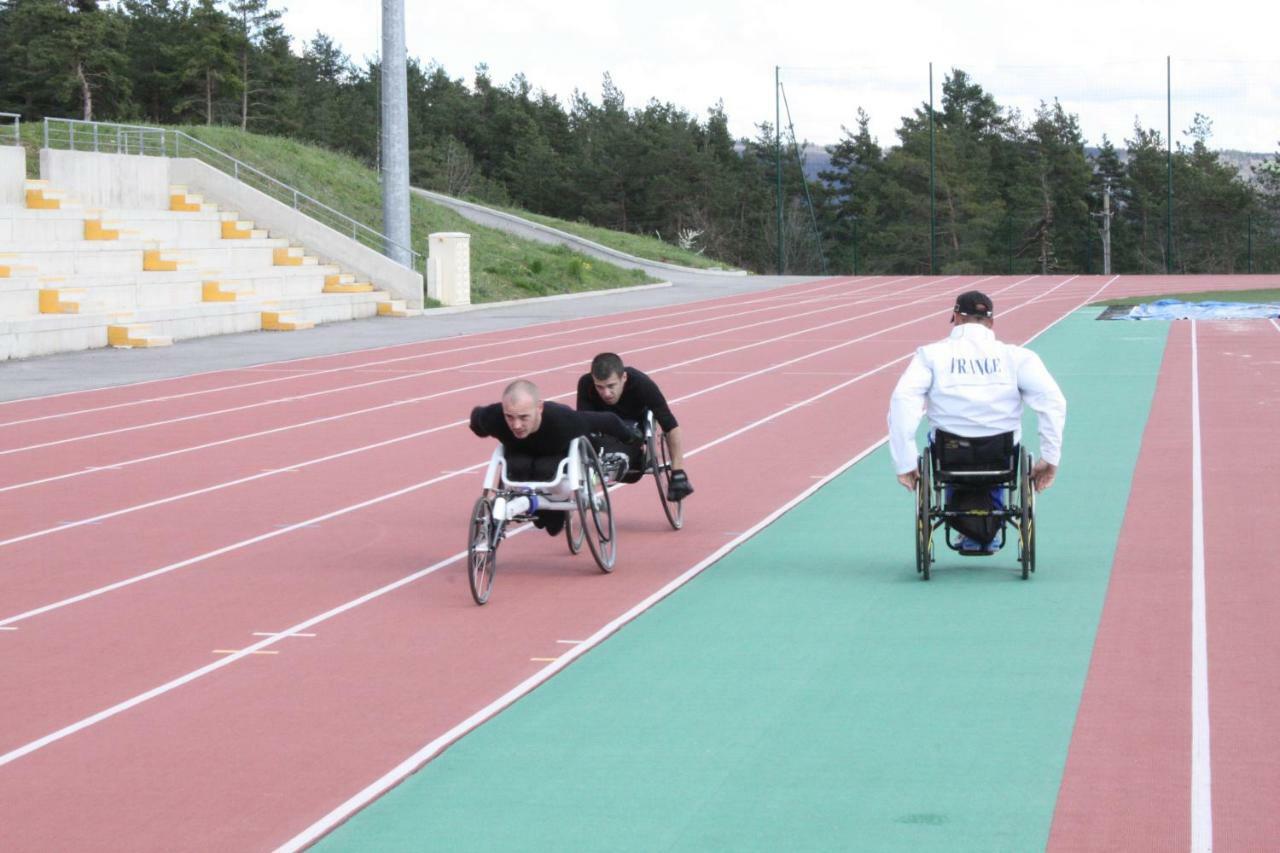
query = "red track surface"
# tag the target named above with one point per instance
(210, 751)
(1128, 778)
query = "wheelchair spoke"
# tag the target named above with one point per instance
(482, 549)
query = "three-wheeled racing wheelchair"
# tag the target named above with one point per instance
(654, 458)
(579, 489)
(976, 489)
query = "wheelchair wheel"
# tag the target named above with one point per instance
(595, 510)
(924, 526)
(1027, 519)
(659, 452)
(573, 531)
(482, 550)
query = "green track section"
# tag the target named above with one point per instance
(809, 692)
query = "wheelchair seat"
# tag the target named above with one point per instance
(990, 460)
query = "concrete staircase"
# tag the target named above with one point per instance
(74, 277)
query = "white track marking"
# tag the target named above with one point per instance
(475, 720)
(361, 799)
(1277, 325)
(286, 528)
(411, 400)
(300, 373)
(63, 526)
(430, 372)
(1201, 777)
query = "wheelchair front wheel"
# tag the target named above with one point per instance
(659, 451)
(482, 550)
(924, 524)
(595, 510)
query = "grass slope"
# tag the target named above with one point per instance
(502, 267)
(1259, 295)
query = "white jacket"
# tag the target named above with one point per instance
(971, 384)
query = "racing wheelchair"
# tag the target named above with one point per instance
(579, 488)
(655, 460)
(975, 485)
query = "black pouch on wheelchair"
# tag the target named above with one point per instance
(524, 468)
(958, 455)
(634, 453)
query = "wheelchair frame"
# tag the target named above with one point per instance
(657, 461)
(589, 507)
(1018, 511)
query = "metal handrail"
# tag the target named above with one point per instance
(17, 126)
(164, 142)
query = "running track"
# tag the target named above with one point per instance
(232, 602)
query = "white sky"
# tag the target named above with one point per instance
(1105, 60)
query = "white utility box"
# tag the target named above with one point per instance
(449, 267)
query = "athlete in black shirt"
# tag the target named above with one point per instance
(536, 435)
(629, 393)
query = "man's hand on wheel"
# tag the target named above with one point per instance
(909, 480)
(1042, 474)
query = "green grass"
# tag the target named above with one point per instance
(650, 248)
(502, 267)
(1258, 295)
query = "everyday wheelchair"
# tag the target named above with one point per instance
(953, 467)
(579, 489)
(656, 460)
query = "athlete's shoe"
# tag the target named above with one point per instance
(974, 548)
(680, 487)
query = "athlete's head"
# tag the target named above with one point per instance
(609, 376)
(522, 407)
(973, 306)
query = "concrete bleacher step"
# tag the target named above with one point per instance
(99, 229)
(345, 283)
(292, 256)
(162, 260)
(218, 291)
(284, 321)
(56, 299)
(41, 196)
(184, 202)
(396, 308)
(11, 266)
(135, 336)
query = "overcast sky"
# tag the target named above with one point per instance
(1104, 60)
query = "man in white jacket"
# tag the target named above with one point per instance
(970, 384)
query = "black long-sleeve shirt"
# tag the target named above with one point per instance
(559, 427)
(639, 394)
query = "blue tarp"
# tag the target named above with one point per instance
(1174, 309)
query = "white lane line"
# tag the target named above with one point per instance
(7, 628)
(282, 528)
(276, 401)
(434, 747)
(296, 466)
(1274, 323)
(1201, 779)
(279, 634)
(299, 373)
(173, 684)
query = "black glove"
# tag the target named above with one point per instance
(680, 487)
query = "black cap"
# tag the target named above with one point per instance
(975, 303)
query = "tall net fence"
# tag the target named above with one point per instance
(1034, 168)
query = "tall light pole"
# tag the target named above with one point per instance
(395, 134)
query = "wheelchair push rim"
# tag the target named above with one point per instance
(482, 550)
(596, 511)
(924, 523)
(659, 449)
(1027, 519)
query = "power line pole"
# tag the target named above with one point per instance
(933, 155)
(395, 134)
(1106, 226)
(777, 127)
